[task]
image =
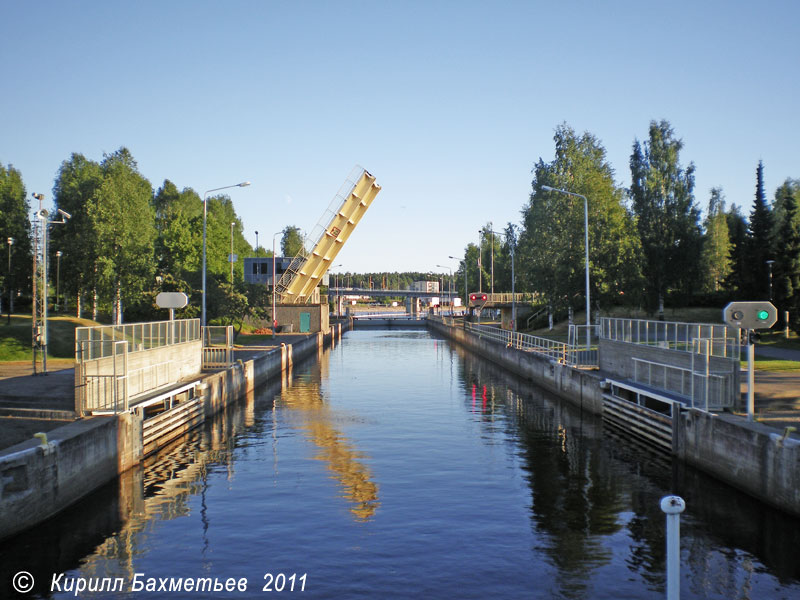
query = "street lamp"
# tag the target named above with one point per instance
(512, 244)
(10, 293)
(586, 245)
(256, 243)
(769, 264)
(205, 219)
(466, 292)
(449, 286)
(230, 258)
(274, 285)
(59, 254)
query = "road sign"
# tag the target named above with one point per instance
(172, 300)
(750, 315)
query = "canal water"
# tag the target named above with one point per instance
(396, 465)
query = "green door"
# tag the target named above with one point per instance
(305, 322)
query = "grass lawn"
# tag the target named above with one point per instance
(15, 339)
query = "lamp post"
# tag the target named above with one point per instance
(449, 286)
(512, 244)
(480, 260)
(274, 285)
(769, 264)
(205, 220)
(8, 281)
(59, 254)
(256, 243)
(466, 292)
(586, 246)
(230, 258)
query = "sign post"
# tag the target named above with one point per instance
(172, 300)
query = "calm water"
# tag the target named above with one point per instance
(398, 466)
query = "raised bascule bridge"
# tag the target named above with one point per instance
(296, 298)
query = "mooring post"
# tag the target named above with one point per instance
(673, 506)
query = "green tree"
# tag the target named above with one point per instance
(179, 225)
(124, 221)
(662, 193)
(716, 258)
(737, 235)
(14, 223)
(758, 243)
(292, 241)
(789, 188)
(551, 251)
(76, 187)
(786, 270)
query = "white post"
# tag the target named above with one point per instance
(673, 506)
(751, 356)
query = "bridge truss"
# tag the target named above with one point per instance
(305, 272)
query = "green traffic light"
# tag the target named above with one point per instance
(762, 315)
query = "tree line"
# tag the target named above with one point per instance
(648, 244)
(125, 242)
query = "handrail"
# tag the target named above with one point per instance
(725, 341)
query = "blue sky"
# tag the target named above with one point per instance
(448, 104)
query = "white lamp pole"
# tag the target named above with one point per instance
(586, 246)
(205, 220)
(274, 285)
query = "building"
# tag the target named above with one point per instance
(431, 287)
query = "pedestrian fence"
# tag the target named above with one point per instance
(724, 341)
(100, 341)
(562, 352)
(217, 346)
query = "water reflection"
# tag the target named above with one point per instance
(589, 486)
(315, 418)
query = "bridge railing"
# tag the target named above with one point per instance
(508, 298)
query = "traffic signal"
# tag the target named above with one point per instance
(477, 299)
(750, 315)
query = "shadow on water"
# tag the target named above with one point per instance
(588, 483)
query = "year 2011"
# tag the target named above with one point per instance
(279, 582)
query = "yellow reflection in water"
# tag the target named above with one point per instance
(304, 398)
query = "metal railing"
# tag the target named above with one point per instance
(217, 347)
(704, 390)
(108, 391)
(98, 342)
(551, 349)
(724, 340)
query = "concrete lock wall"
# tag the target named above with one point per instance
(579, 387)
(37, 482)
(749, 456)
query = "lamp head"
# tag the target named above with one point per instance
(11, 241)
(64, 214)
(244, 184)
(547, 188)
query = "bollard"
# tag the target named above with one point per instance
(673, 506)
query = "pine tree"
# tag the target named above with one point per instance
(759, 243)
